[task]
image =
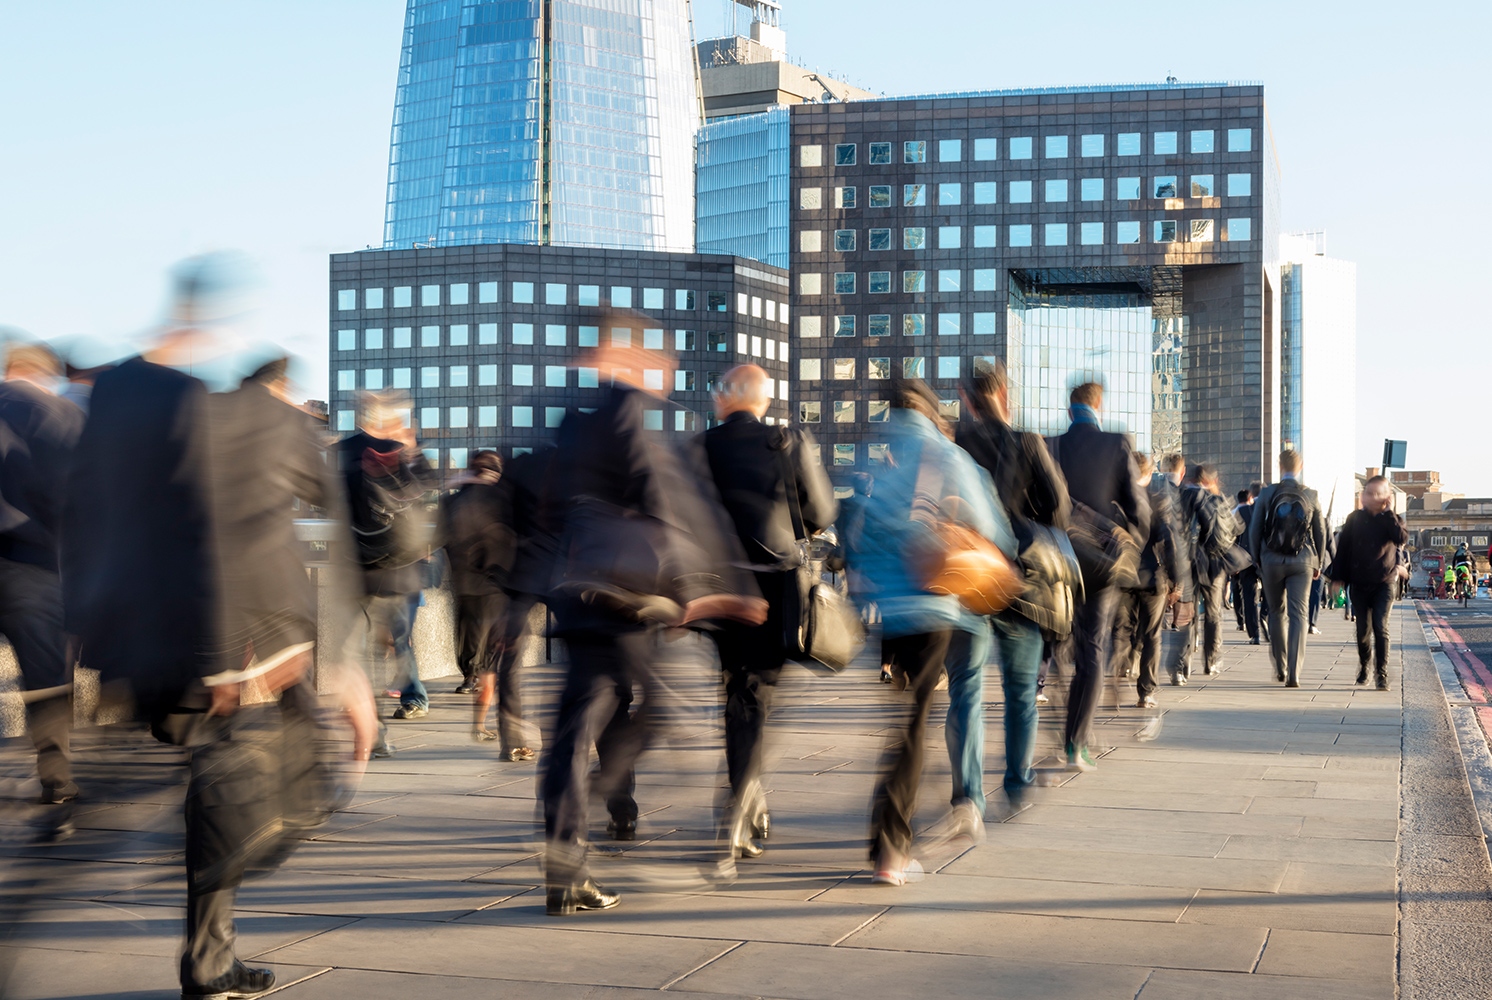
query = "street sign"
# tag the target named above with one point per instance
(1394, 454)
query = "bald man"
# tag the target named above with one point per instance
(757, 469)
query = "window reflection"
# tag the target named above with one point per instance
(880, 152)
(913, 367)
(879, 282)
(914, 325)
(1240, 230)
(1165, 231)
(844, 326)
(1165, 143)
(914, 195)
(1165, 187)
(913, 281)
(1126, 232)
(880, 196)
(880, 239)
(844, 240)
(1127, 143)
(878, 368)
(844, 197)
(1201, 141)
(877, 411)
(1127, 189)
(1020, 147)
(1201, 231)
(878, 325)
(844, 283)
(914, 151)
(913, 238)
(950, 194)
(1092, 145)
(844, 154)
(844, 411)
(810, 413)
(950, 281)
(1056, 147)
(1201, 185)
(844, 369)
(844, 454)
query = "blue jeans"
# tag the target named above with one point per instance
(393, 616)
(1020, 662)
(967, 653)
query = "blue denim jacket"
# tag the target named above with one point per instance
(907, 609)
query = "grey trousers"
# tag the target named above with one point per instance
(1287, 591)
(1209, 595)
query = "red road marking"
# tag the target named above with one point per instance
(1475, 676)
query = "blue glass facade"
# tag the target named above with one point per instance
(544, 121)
(741, 187)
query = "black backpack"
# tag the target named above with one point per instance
(1216, 528)
(388, 517)
(1287, 522)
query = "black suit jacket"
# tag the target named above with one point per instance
(745, 460)
(38, 432)
(1100, 470)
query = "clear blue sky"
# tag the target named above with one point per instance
(133, 134)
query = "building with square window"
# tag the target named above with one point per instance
(487, 339)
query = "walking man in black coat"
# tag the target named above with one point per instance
(1367, 562)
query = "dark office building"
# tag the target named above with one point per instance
(489, 340)
(1121, 234)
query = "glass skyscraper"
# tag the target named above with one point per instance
(566, 122)
(741, 187)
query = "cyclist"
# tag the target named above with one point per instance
(1465, 567)
(1449, 590)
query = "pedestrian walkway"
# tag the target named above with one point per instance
(1247, 850)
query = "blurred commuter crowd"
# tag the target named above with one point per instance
(147, 532)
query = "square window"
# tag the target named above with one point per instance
(913, 238)
(717, 302)
(1020, 148)
(986, 149)
(554, 376)
(683, 381)
(844, 197)
(877, 453)
(984, 236)
(554, 335)
(1240, 140)
(914, 325)
(556, 294)
(523, 292)
(810, 413)
(742, 307)
(879, 325)
(1165, 231)
(950, 281)
(1165, 187)
(459, 293)
(683, 340)
(1056, 190)
(844, 326)
(1165, 143)
(346, 380)
(844, 240)
(652, 298)
(403, 297)
(523, 416)
(914, 151)
(984, 279)
(1092, 189)
(950, 150)
(621, 336)
(913, 195)
(844, 411)
(429, 336)
(429, 295)
(948, 367)
(1056, 147)
(486, 416)
(1018, 236)
(1201, 185)
(1127, 189)
(913, 367)
(587, 378)
(949, 324)
(810, 198)
(523, 333)
(1201, 141)
(486, 374)
(1201, 231)
(372, 298)
(879, 283)
(880, 196)
(985, 363)
(432, 455)
(1056, 234)
(429, 417)
(430, 378)
(487, 291)
(844, 283)
(880, 152)
(844, 454)
(587, 336)
(1092, 145)
(984, 192)
(1239, 230)
(346, 299)
(984, 324)
(683, 300)
(844, 369)
(588, 295)
(401, 378)
(460, 376)
(950, 194)
(1128, 143)
(457, 416)
(811, 241)
(844, 154)
(523, 375)
(1020, 193)
(621, 296)
(878, 369)
(950, 237)
(486, 333)
(1240, 185)
(373, 340)
(877, 411)
(880, 239)
(458, 457)
(914, 281)
(1091, 234)
(810, 156)
(810, 369)
(459, 334)
(346, 340)
(373, 378)
(808, 326)
(810, 284)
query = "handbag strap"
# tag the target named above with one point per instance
(790, 487)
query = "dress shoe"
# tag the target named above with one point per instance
(466, 687)
(1383, 683)
(1254, 641)
(745, 847)
(563, 900)
(1362, 674)
(235, 984)
(621, 829)
(1292, 682)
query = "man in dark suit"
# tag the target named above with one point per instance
(1103, 481)
(1141, 611)
(1287, 538)
(1247, 579)
(761, 474)
(38, 431)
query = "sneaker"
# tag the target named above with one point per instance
(885, 674)
(519, 754)
(382, 750)
(1179, 679)
(1042, 699)
(942, 684)
(1314, 630)
(483, 735)
(911, 872)
(963, 820)
(411, 712)
(1078, 759)
(56, 795)
(238, 982)
(1148, 701)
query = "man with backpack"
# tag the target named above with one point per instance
(1210, 526)
(1287, 538)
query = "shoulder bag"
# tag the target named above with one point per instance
(952, 558)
